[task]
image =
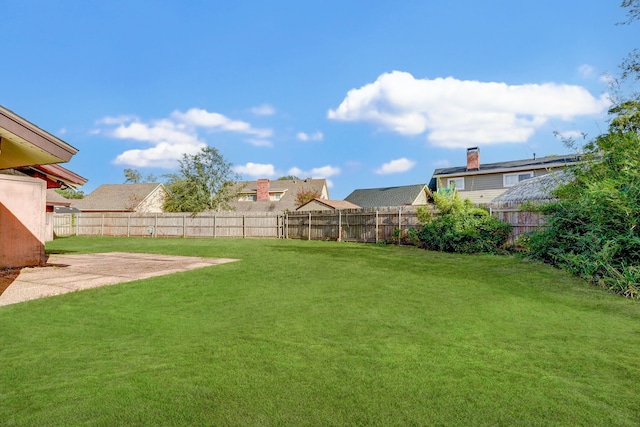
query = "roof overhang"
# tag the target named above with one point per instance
(501, 170)
(24, 144)
(55, 175)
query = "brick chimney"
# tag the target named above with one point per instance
(263, 190)
(473, 158)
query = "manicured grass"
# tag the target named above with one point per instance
(322, 333)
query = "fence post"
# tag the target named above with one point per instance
(399, 224)
(102, 226)
(184, 226)
(155, 227)
(339, 226)
(77, 224)
(309, 225)
(128, 225)
(286, 226)
(244, 227)
(377, 227)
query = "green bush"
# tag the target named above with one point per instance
(461, 227)
(593, 229)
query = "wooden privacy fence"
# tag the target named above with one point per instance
(522, 221)
(362, 225)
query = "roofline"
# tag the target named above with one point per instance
(503, 170)
(151, 192)
(33, 134)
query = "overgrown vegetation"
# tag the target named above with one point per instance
(461, 227)
(594, 227)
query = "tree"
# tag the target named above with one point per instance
(289, 178)
(205, 182)
(627, 117)
(631, 64)
(305, 195)
(133, 176)
(593, 229)
(70, 193)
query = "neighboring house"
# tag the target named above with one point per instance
(481, 183)
(326, 205)
(147, 198)
(277, 196)
(407, 195)
(28, 166)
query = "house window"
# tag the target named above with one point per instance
(457, 183)
(511, 179)
(275, 196)
(249, 198)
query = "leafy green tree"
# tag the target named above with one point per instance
(133, 176)
(70, 193)
(631, 64)
(627, 117)
(593, 229)
(206, 182)
(288, 178)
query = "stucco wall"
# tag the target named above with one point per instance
(22, 221)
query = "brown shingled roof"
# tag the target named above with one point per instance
(116, 197)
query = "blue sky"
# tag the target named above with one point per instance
(363, 93)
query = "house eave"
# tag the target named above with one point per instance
(501, 170)
(22, 143)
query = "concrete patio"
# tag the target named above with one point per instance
(71, 272)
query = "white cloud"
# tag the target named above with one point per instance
(317, 136)
(174, 136)
(163, 155)
(256, 142)
(316, 173)
(263, 110)
(321, 172)
(396, 166)
(455, 113)
(117, 120)
(256, 170)
(216, 121)
(586, 71)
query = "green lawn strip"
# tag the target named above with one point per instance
(322, 333)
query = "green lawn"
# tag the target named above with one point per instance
(321, 334)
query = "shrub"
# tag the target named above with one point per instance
(593, 229)
(461, 227)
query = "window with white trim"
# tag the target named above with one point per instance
(457, 183)
(511, 179)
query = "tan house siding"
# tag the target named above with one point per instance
(154, 202)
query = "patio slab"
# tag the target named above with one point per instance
(71, 272)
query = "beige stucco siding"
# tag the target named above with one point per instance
(22, 221)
